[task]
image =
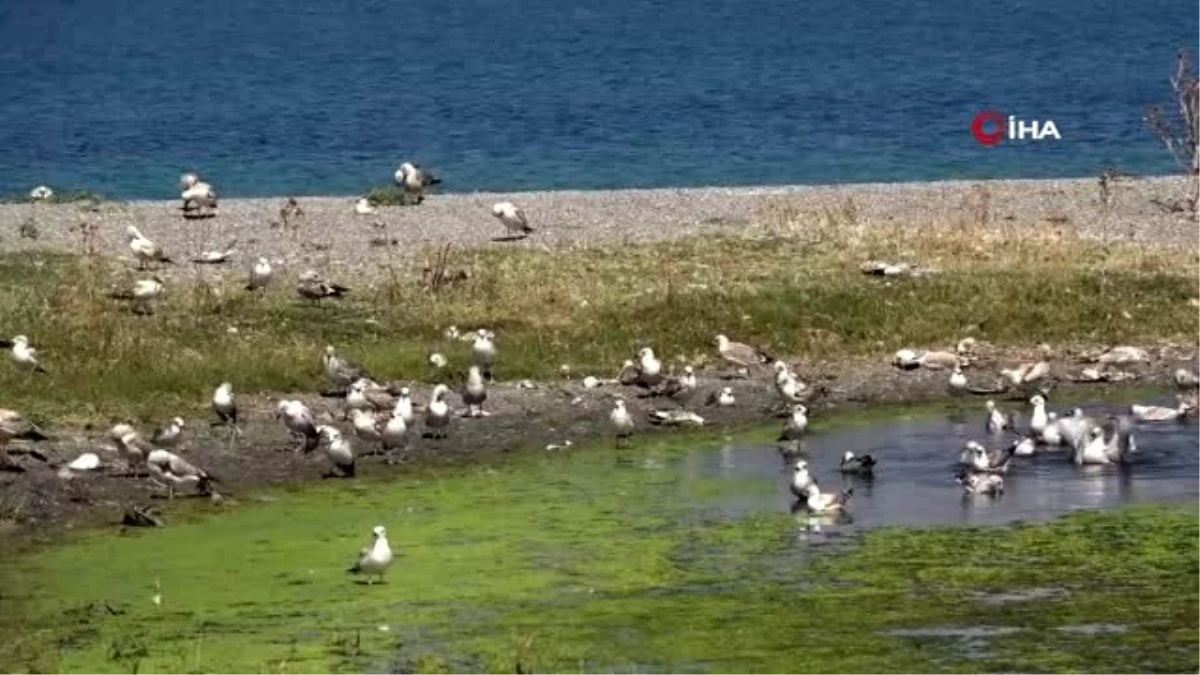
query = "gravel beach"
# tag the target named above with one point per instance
(332, 238)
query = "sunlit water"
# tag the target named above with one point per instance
(914, 482)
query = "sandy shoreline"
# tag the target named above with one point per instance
(331, 237)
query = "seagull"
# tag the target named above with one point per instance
(144, 250)
(907, 359)
(375, 559)
(513, 218)
(88, 461)
(216, 256)
(1186, 379)
(438, 360)
(741, 355)
(1157, 413)
(996, 421)
(290, 211)
(628, 375)
(394, 432)
(404, 406)
(14, 425)
(366, 395)
(260, 274)
(24, 355)
(857, 465)
(1026, 373)
(224, 405)
(41, 193)
(649, 368)
(485, 351)
(174, 471)
(796, 425)
(674, 418)
(801, 479)
(130, 443)
(338, 450)
(197, 194)
(366, 427)
(722, 397)
(474, 393)
(364, 207)
(415, 180)
(991, 485)
(818, 502)
(1051, 435)
(313, 287)
(1024, 447)
(1101, 448)
(437, 413)
(299, 420)
(790, 390)
(958, 381)
(341, 372)
(622, 422)
(1123, 355)
(168, 435)
(1038, 420)
(680, 389)
(980, 460)
(142, 294)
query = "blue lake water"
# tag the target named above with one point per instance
(270, 97)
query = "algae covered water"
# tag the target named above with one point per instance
(680, 554)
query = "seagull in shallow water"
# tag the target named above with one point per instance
(819, 502)
(801, 479)
(144, 250)
(437, 413)
(513, 218)
(979, 460)
(474, 393)
(1038, 419)
(224, 405)
(622, 422)
(857, 465)
(22, 354)
(338, 450)
(741, 355)
(169, 434)
(989, 484)
(175, 472)
(1158, 413)
(1112, 445)
(1024, 447)
(299, 421)
(415, 180)
(484, 348)
(375, 559)
(796, 425)
(260, 274)
(997, 421)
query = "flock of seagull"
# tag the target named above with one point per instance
(382, 416)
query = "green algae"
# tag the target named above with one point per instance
(599, 560)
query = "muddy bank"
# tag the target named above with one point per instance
(40, 503)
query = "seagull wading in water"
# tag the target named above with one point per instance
(374, 560)
(144, 250)
(513, 218)
(622, 422)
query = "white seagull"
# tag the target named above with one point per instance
(24, 355)
(14, 425)
(395, 431)
(364, 207)
(1039, 419)
(513, 218)
(649, 368)
(41, 193)
(144, 250)
(621, 421)
(796, 425)
(342, 372)
(415, 180)
(143, 293)
(338, 450)
(484, 348)
(1103, 447)
(169, 434)
(958, 381)
(216, 256)
(196, 194)
(437, 413)
(980, 460)
(173, 471)
(988, 484)
(741, 355)
(224, 405)
(474, 393)
(801, 479)
(260, 274)
(375, 559)
(1158, 413)
(997, 421)
(404, 406)
(299, 421)
(438, 360)
(824, 503)
(722, 397)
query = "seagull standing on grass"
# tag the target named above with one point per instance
(437, 413)
(415, 180)
(24, 355)
(173, 471)
(142, 295)
(622, 422)
(474, 393)
(144, 250)
(374, 560)
(168, 435)
(260, 275)
(484, 348)
(513, 218)
(300, 421)
(216, 256)
(741, 355)
(313, 287)
(338, 450)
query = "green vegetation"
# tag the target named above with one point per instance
(792, 286)
(390, 195)
(596, 561)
